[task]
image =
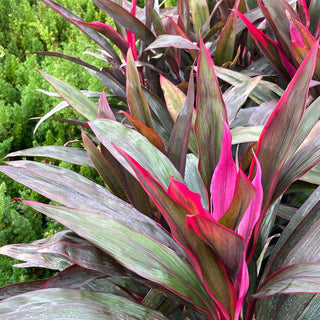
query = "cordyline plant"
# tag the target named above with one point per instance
(184, 227)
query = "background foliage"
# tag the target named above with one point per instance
(27, 26)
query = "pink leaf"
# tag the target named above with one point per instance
(224, 177)
(252, 214)
(131, 37)
(243, 285)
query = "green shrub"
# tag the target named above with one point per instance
(28, 26)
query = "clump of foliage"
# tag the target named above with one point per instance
(196, 220)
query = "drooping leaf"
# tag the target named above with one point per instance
(20, 287)
(96, 37)
(71, 304)
(264, 90)
(300, 277)
(211, 112)
(74, 192)
(29, 254)
(72, 155)
(125, 19)
(73, 96)
(299, 242)
(235, 97)
(137, 252)
(246, 134)
(109, 32)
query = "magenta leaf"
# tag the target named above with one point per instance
(252, 214)
(224, 178)
(270, 49)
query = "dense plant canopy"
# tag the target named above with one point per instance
(205, 139)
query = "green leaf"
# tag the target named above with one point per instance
(73, 97)
(235, 97)
(293, 306)
(264, 90)
(113, 133)
(137, 252)
(314, 10)
(173, 96)
(75, 191)
(72, 155)
(300, 277)
(246, 134)
(299, 242)
(200, 14)
(193, 179)
(313, 176)
(211, 112)
(73, 304)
